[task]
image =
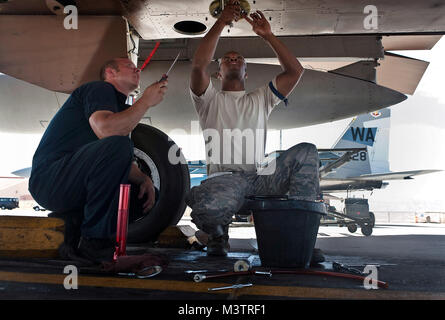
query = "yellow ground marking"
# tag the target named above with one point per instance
(202, 287)
(30, 236)
(31, 222)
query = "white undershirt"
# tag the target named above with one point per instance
(220, 112)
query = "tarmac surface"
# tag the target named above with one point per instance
(410, 259)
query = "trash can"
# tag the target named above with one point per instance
(286, 229)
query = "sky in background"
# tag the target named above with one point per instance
(417, 141)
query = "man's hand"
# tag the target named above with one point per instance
(154, 94)
(259, 24)
(292, 69)
(232, 11)
(146, 187)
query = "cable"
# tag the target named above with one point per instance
(151, 55)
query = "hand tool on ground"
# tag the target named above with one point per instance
(243, 265)
(200, 277)
(345, 268)
(377, 265)
(165, 75)
(235, 286)
(204, 271)
(381, 284)
(146, 272)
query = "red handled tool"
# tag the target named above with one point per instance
(122, 221)
(200, 277)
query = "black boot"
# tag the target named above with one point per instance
(96, 250)
(218, 244)
(68, 249)
(73, 221)
(317, 256)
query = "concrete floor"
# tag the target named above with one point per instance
(412, 259)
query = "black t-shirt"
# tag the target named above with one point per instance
(70, 129)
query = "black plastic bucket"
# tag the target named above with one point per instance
(286, 229)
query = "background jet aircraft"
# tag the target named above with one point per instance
(358, 160)
(342, 45)
(367, 168)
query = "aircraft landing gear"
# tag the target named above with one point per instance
(153, 150)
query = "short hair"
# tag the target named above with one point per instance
(113, 64)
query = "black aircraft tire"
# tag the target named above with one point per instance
(152, 148)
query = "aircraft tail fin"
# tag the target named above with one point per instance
(370, 131)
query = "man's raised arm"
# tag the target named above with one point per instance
(206, 49)
(292, 68)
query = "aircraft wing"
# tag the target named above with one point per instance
(367, 181)
(342, 185)
(348, 69)
(393, 175)
(289, 17)
(25, 172)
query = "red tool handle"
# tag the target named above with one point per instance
(122, 220)
(381, 284)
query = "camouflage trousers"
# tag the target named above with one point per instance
(217, 199)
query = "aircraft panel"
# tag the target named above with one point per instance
(41, 51)
(34, 7)
(26, 108)
(406, 42)
(365, 47)
(400, 73)
(319, 97)
(312, 17)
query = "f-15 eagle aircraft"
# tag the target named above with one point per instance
(358, 160)
(366, 167)
(343, 45)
